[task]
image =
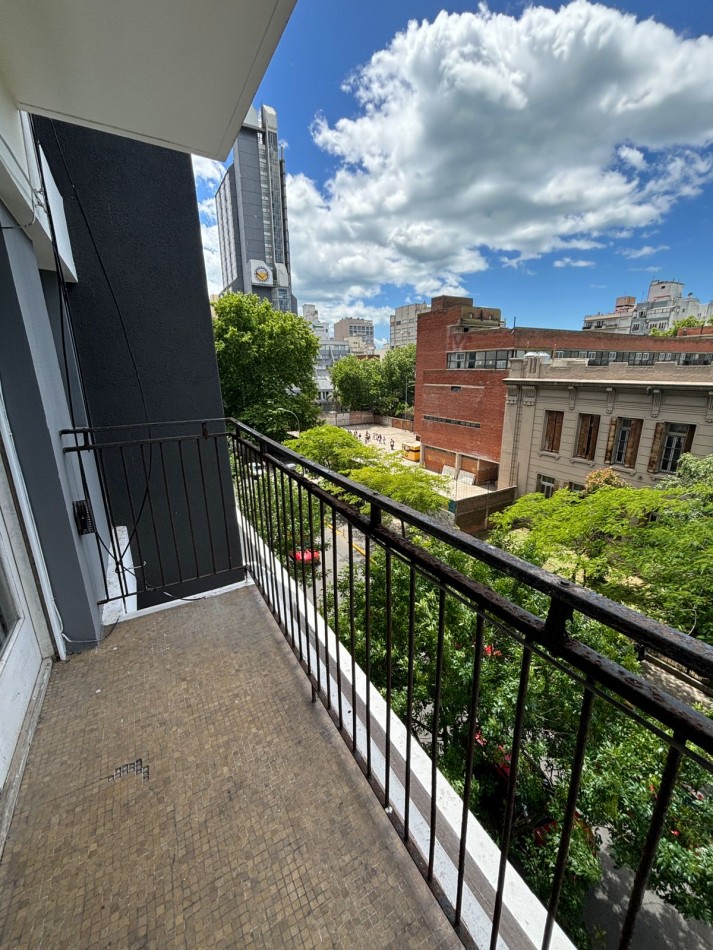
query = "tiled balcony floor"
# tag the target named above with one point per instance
(252, 826)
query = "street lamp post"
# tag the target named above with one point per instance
(292, 413)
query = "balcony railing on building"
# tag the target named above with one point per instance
(398, 621)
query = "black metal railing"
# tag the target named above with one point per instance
(472, 687)
(166, 490)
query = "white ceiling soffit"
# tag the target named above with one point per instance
(179, 73)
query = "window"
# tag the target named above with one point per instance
(546, 485)
(8, 612)
(587, 434)
(481, 359)
(552, 434)
(575, 486)
(671, 440)
(623, 441)
(696, 359)
(452, 422)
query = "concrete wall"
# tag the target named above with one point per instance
(472, 514)
(141, 313)
(349, 418)
(395, 422)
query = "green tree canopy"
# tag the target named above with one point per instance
(409, 484)
(340, 451)
(385, 386)
(694, 472)
(649, 548)
(266, 363)
(624, 760)
(356, 382)
(335, 448)
(398, 372)
(678, 325)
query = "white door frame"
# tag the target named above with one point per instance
(28, 520)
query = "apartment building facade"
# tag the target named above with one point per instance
(462, 363)
(663, 306)
(357, 327)
(403, 323)
(564, 418)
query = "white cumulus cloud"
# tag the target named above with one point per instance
(633, 157)
(633, 253)
(571, 262)
(207, 171)
(481, 139)
(207, 175)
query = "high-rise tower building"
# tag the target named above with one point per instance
(252, 214)
(403, 323)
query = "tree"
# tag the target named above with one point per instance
(386, 385)
(645, 547)
(624, 761)
(340, 451)
(694, 472)
(357, 383)
(398, 371)
(335, 448)
(411, 485)
(678, 325)
(266, 363)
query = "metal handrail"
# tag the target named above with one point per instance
(666, 640)
(178, 537)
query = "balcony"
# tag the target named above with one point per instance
(259, 767)
(201, 801)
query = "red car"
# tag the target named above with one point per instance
(306, 556)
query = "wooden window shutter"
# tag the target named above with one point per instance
(587, 435)
(610, 441)
(553, 431)
(594, 435)
(659, 435)
(582, 435)
(632, 446)
(689, 439)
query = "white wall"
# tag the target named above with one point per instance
(20, 188)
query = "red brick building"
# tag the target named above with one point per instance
(463, 355)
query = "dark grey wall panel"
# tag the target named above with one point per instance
(140, 309)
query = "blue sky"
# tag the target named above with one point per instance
(543, 159)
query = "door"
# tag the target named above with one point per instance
(20, 653)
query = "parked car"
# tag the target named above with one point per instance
(305, 556)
